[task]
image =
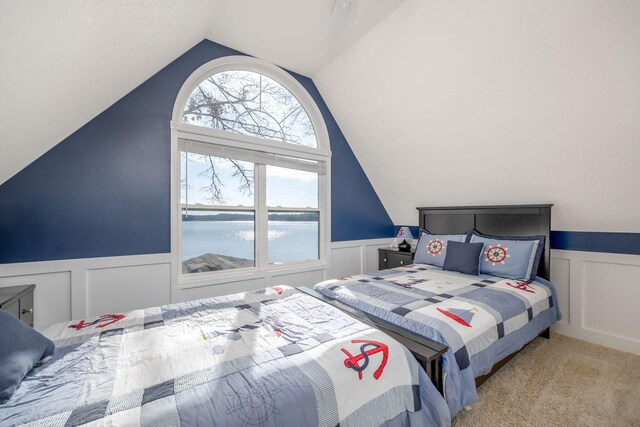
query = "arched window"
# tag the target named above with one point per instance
(252, 160)
(249, 103)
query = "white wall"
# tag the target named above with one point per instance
(494, 102)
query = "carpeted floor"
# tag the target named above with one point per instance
(560, 382)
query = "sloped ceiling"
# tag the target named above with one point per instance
(294, 34)
(465, 102)
(63, 62)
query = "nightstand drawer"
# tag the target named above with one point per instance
(389, 258)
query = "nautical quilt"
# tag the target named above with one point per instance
(480, 318)
(274, 357)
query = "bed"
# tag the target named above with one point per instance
(438, 305)
(274, 357)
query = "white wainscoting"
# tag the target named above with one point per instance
(598, 293)
(599, 296)
(356, 256)
(83, 288)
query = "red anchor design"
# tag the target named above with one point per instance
(353, 362)
(101, 322)
(523, 286)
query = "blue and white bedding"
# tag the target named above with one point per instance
(482, 319)
(274, 357)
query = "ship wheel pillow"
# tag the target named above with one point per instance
(510, 257)
(432, 248)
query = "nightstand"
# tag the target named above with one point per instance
(18, 300)
(391, 258)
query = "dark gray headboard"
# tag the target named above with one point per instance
(507, 220)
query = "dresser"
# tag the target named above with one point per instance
(18, 300)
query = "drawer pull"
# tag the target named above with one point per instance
(27, 311)
(401, 262)
(385, 260)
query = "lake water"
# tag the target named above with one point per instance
(288, 240)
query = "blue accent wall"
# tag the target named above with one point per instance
(105, 190)
(614, 243)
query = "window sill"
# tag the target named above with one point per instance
(241, 274)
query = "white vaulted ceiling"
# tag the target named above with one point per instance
(64, 62)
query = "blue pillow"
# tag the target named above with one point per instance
(463, 257)
(512, 259)
(21, 347)
(540, 249)
(432, 248)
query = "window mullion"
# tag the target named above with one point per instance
(262, 217)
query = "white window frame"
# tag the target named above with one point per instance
(221, 142)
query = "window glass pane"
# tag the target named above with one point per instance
(210, 180)
(291, 188)
(217, 240)
(251, 104)
(293, 236)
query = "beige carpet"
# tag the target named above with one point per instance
(560, 382)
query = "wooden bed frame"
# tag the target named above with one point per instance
(499, 220)
(506, 220)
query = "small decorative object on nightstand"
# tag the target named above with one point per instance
(404, 246)
(18, 300)
(391, 258)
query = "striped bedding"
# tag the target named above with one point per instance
(273, 357)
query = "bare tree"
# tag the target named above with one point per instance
(251, 104)
(242, 174)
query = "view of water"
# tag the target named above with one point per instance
(288, 240)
